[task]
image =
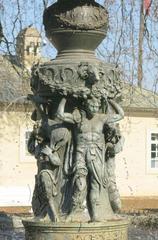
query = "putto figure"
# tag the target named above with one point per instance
(90, 167)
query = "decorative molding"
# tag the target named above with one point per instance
(79, 80)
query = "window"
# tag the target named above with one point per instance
(28, 50)
(27, 135)
(152, 150)
(32, 44)
(39, 44)
(25, 156)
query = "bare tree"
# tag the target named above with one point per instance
(140, 44)
(132, 40)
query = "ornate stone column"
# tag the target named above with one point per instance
(75, 136)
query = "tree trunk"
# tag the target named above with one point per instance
(140, 48)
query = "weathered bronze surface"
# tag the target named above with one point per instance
(114, 230)
(75, 136)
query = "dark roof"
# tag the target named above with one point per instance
(14, 82)
(139, 99)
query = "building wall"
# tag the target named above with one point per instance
(134, 176)
(16, 171)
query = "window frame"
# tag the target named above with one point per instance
(150, 170)
(24, 157)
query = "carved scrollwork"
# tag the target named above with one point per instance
(79, 80)
(68, 74)
(48, 75)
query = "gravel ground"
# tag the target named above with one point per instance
(135, 233)
(12, 235)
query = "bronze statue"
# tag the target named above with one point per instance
(89, 162)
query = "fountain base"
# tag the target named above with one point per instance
(110, 230)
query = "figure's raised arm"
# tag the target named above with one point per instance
(66, 117)
(38, 102)
(119, 113)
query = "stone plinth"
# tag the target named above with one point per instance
(110, 230)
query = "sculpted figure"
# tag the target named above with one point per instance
(114, 144)
(49, 136)
(90, 175)
(46, 179)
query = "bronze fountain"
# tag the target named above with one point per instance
(76, 136)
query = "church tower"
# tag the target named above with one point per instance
(28, 47)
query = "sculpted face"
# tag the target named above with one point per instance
(83, 71)
(39, 139)
(92, 106)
